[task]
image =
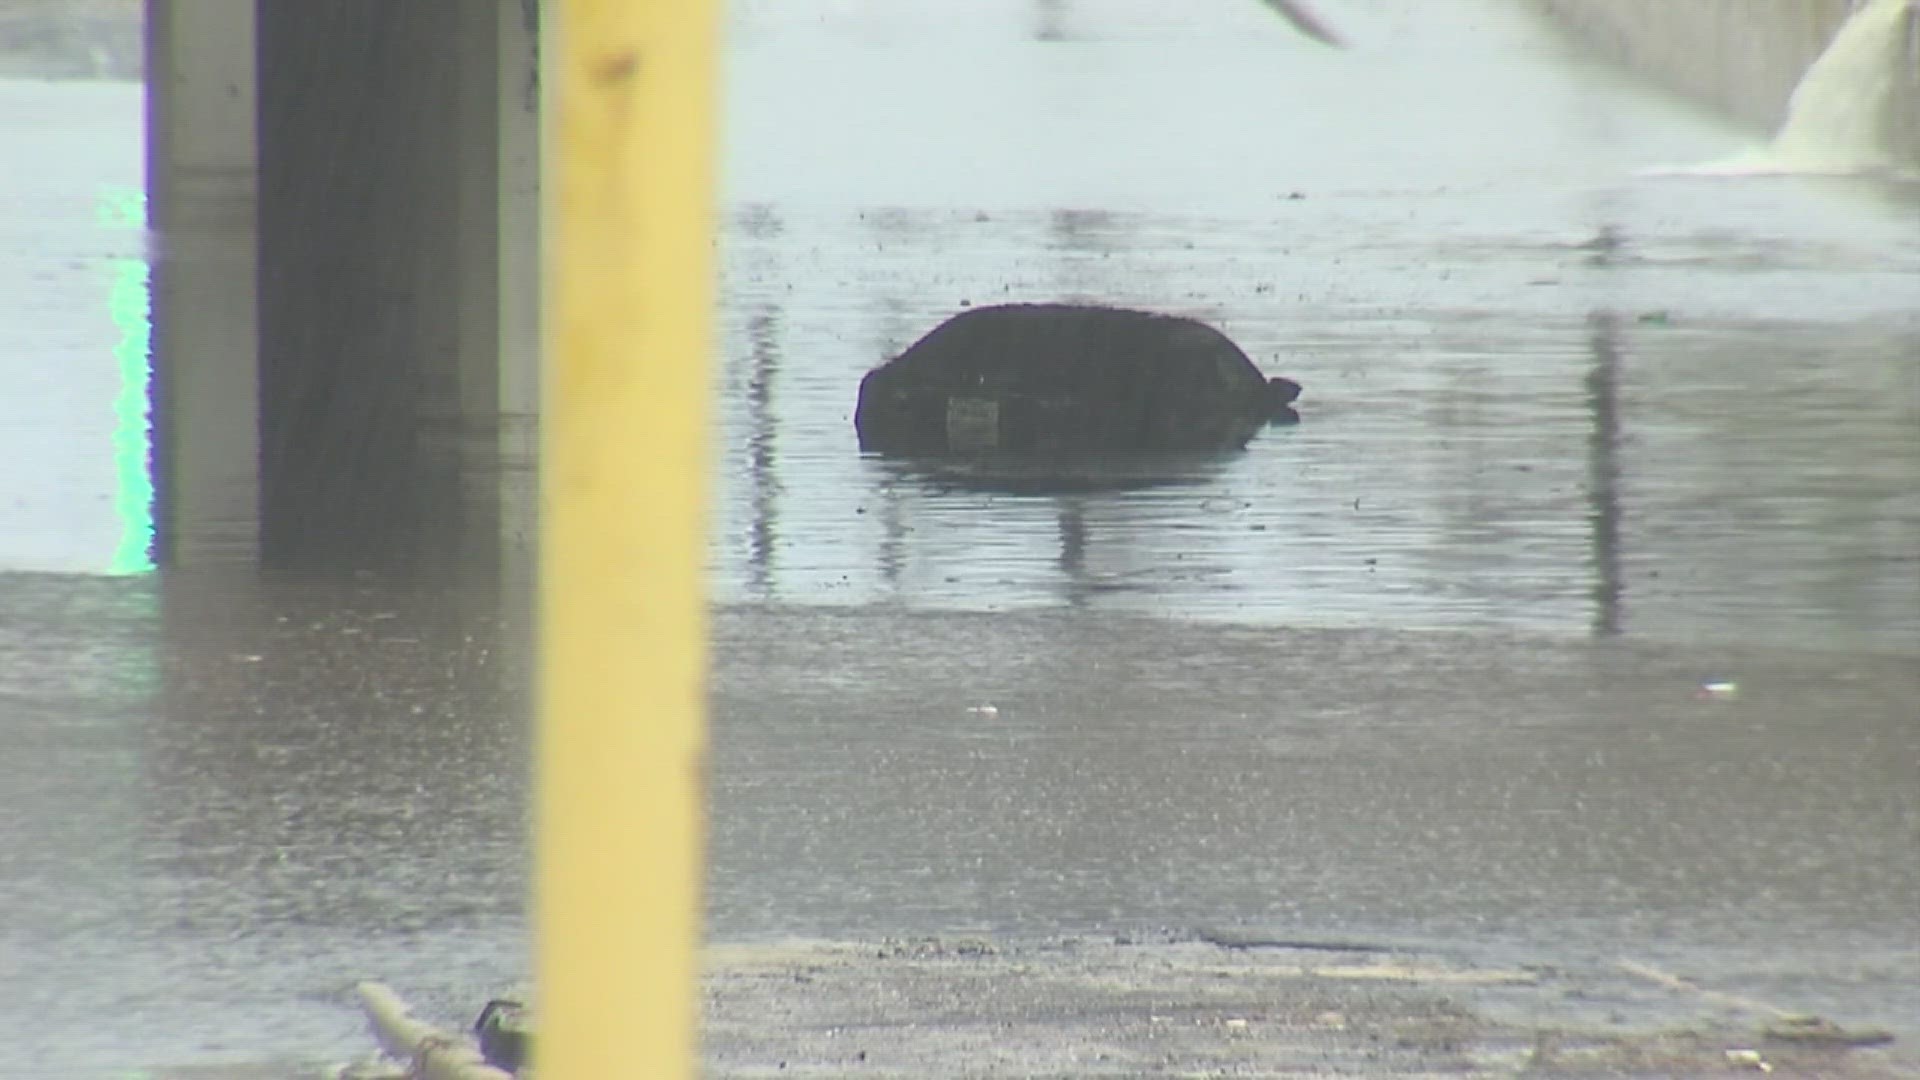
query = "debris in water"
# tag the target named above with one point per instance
(1307, 22)
(1717, 690)
(505, 1033)
(1820, 1031)
(989, 709)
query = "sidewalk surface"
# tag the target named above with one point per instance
(1078, 1007)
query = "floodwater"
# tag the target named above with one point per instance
(1576, 438)
(1541, 392)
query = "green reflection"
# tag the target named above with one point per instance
(131, 306)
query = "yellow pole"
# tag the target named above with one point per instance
(622, 632)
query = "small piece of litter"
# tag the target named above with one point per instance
(1819, 1031)
(1718, 690)
(1749, 1058)
(984, 710)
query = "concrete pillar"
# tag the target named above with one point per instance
(383, 151)
(355, 126)
(200, 208)
(521, 301)
(345, 197)
(471, 354)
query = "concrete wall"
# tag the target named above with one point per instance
(1742, 57)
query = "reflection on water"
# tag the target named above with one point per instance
(1542, 444)
(1603, 472)
(764, 330)
(1044, 473)
(227, 798)
(1049, 20)
(1075, 492)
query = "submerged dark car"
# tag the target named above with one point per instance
(1068, 377)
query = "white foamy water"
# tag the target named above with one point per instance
(1841, 116)
(1842, 111)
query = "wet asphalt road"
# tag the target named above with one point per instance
(1039, 773)
(1425, 668)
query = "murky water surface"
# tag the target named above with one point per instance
(1424, 666)
(1540, 391)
